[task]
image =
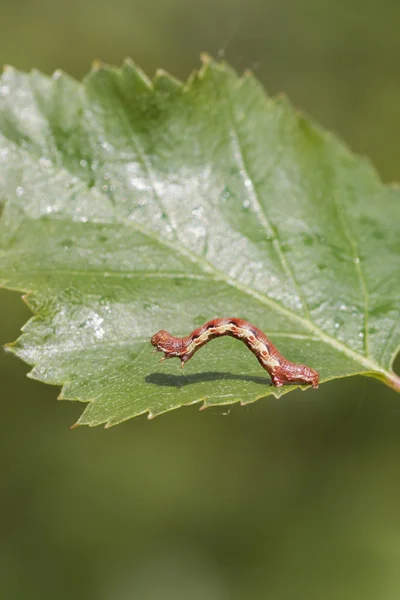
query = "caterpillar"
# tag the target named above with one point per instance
(280, 369)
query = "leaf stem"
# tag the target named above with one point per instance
(393, 381)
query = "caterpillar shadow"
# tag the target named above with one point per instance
(178, 381)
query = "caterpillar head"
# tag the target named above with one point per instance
(310, 376)
(289, 372)
(304, 374)
(160, 340)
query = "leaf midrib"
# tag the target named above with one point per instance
(115, 274)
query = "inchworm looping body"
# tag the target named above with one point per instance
(280, 369)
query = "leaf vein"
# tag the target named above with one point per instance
(261, 214)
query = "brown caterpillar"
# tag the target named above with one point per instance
(281, 370)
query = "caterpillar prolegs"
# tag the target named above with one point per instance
(280, 369)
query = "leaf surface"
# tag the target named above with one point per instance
(132, 205)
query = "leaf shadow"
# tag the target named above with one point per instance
(166, 380)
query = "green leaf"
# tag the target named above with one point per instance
(132, 206)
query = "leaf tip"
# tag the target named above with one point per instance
(57, 74)
(96, 65)
(282, 99)
(128, 62)
(205, 58)
(162, 77)
(161, 73)
(10, 347)
(26, 298)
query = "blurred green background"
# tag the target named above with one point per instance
(283, 500)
